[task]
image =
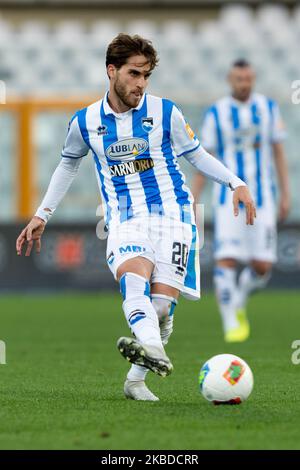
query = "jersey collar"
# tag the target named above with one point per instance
(242, 103)
(108, 110)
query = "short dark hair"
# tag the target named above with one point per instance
(242, 63)
(124, 46)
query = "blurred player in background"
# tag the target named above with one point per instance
(245, 131)
(152, 251)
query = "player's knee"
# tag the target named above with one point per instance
(133, 286)
(138, 265)
(228, 263)
(262, 268)
(164, 306)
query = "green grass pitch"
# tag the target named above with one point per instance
(62, 386)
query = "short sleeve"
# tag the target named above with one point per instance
(183, 138)
(278, 131)
(208, 132)
(75, 146)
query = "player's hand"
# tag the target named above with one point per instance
(284, 208)
(31, 234)
(242, 194)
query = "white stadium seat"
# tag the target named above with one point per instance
(145, 28)
(74, 50)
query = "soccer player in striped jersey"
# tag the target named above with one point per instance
(244, 131)
(135, 140)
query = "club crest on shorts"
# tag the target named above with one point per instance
(147, 124)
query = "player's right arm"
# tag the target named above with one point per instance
(74, 150)
(278, 135)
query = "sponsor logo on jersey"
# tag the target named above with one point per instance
(131, 249)
(190, 131)
(127, 149)
(147, 124)
(129, 168)
(102, 130)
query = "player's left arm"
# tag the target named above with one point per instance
(186, 144)
(283, 180)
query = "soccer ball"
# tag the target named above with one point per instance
(226, 379)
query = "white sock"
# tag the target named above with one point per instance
(137, 373)
(139, 311)
(164, 307)
(225, 286)
(249, 281)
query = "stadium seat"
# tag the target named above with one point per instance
(234, 15)
(102, 32)
(147, 29)
(177, 34)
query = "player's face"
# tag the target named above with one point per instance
(241, 80)
(130, 81)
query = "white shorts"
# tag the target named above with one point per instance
(171, 245)
(234, 239)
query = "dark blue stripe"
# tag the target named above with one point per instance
(82, 126)
(182, 196)
(136, 319)
(85, 135)
(121, 188)
(148, 179)
(256, 122)
(218, 272)
(147, 289)
(220, 150)
(271, 104)
(71, 120)
(189, 151)
(103, 190)
(73, 158)
(190, 279)
(123, 286)
(173, 305)
(237, 140)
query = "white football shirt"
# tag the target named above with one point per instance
(135, 155)
(241, 135)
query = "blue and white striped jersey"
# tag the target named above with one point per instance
(135, 156)
(241, 136)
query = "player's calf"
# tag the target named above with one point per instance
(139, 311)
(252, 278)
(164, 306)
